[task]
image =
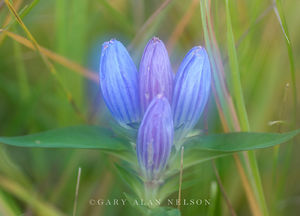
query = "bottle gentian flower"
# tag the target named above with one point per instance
(119, 83)
(155, 138)
(155, 73)
(191, 91)
(130, 95)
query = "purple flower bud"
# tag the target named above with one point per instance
(119, 83)
(155, 73)
(191, 91)
(155, 138)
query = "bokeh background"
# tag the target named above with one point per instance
(35, 98)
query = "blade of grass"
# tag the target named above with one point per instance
(257, 20)
(61, 27)
(10, 169)
(22, 75)
(228, 203)
(77, 35)
(278, 9)
(120, 19)
(251, 198)
(45, 60)
(28, 8)
(213, 196)
(280, 122)
(240, 107)
(7, 20)
(55, 57)
(221, 94)
(37, 155)
(41, 207)
(235, 75)
(23, 12)
(218, 177)
(6, 207)
(223, 98)
(148, 23)
(76, 192)
(181, 25)
(277, 148)
(281, 19)
(71, 28)
(69, 166)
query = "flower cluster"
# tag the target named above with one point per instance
(165, 107)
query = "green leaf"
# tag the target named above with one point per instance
(131, 178)
(81, 137)
(171, 184)
(198, 149)
(238, 141)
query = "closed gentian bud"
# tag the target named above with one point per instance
(155, 138)
(155, 73)
(191, 90)
(119, 83)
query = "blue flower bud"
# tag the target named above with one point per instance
(155, 73)
(191, 91)
(155, 138)
(119, 83)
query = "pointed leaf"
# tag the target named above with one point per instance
(238, 141)
(81, 137)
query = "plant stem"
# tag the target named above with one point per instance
(151, 188)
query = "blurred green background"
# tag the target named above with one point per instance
(33, 99)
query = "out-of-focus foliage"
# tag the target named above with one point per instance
(32, 99)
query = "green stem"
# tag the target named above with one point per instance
(151, 189)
